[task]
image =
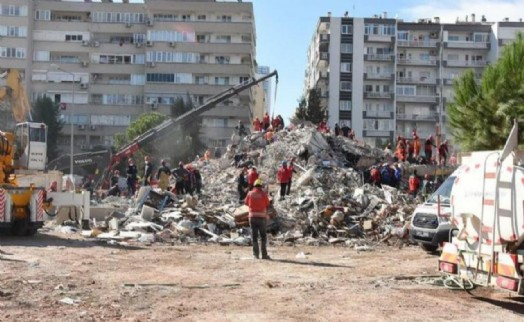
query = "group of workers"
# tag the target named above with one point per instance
(410, 150)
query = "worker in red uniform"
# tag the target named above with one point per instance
(443, 153)
(414, 184)
(322, 126)
(291, 168)
(428, 148)
(258, 201)
(375, 176)
(257, 125)
(283, 176)
(252, 176)
(266, 121)
(416, 145)
(275, 123)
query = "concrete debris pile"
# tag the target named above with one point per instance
(329, 201)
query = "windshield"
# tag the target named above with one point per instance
(444, 191)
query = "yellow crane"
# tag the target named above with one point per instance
(13, 95)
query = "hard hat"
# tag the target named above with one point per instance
(258, 183)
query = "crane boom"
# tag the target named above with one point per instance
(170, 124)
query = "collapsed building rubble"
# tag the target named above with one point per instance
(330, 203)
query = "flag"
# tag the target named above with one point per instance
(511, 143)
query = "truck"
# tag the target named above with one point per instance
(171, 124)
(486, 213)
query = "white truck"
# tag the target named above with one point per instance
(487, 216)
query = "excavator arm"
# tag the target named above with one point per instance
(13, 95)
(169, 125)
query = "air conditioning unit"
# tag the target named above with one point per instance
(149, 22)
(84, 85)
(81, 127)
(93, 127)
(128, 25)
(85, 63)
(151, 64)
(149, 43)
(85, 43)
(172, 44)
(138, 44)
(96, 44)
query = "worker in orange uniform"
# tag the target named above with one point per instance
(416, 146)
(269, 135)
(414, 184)
(258, 202)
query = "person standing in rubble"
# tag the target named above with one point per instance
(281, 122)
(266, 121)
(252, 176)
(258, 202)
(257, 125)
(163, 174)
(414, 184)
(345, 130)
(322, 126)
(131, 172)
(148, 172)
(207, 155)
(180, 175)
(443, 153)
(374, 175)
(283, 175)
(275, 123)
(198, 180)
(291, 168)
(428, 148)
(242, 185)
(337, 129)
(189, 180)
(241, 129)
(269, 135)
(115, 178)
(416, 146)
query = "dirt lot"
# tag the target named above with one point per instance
(99, 282)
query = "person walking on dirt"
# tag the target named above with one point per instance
(148, 172)
(258, 202)
(163, 174)
(242, 185)
(131, 172)
(283, 176)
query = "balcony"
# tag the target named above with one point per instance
(377, 133)
(379, 38)
(446, 81)
(417, 80)
(418, 62)
(345, 115)
(378, 114)
(418, 43)
(324, 56)
(467, 45)
(375, 76)
(418, 98)
(378, 95)
(464, 63)
(378, 57)
(430, 117)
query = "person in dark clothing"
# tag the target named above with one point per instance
(241, 129)
(114, 191)
(345, 130)
(238, 158)
(242, 185)
(428, 148)
(281, 125)
(180, 175)
(163, 175)
(115, 178)
(291, 167)
(148, 172)
(131, 177)
(337, 129)
(303, 153)
(198, 179)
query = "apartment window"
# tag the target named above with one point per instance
(453, 38)
(347, 29)
(368, 88)
(345, 105)
(201, 17)
(345, 67)
(137, 79)
(224, 80)
(375, 29)
(115, 59)
(346, 48)
(178, 78)
(224, 18)
(246, 38)
(244, 79)
(345, 86)
(201, 38)
(73, 37)
(403, 35)
(43, 15)
(13, 31)
(139, 59)
(424, 56)
(453, 57)
(479, 37)
(169, 35)
(118, 17)
(200, 80)
(11, 10)
(121, 99)
(406, 90)
(185, 17)
(384, 51)
(171, 57)
(11, 52)
(223, 39)
(222, 59)
(119, 120)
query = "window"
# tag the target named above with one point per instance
(380, 30)
(403, 35)
(118, 17)
(368, 88)
(224, 18)
(424, 56)
(200, 80)
(179, 78)
(346, 48)
(11, 10)
(13, 31)
(121, 99)
(73, 37)
(222, 60)
(345, 105)
(171, 57)
(345, 86)
(201, 17)
(345, 67)
(215, 122)
(224, 80)
(406, 90)
(169, 35)
(7, 52)
(201, 38)
(246, 38)
(223, 39)
(244, 79)
(480, 37)
(453, 38)
(347, 29)
(453, 57)
(114, 59)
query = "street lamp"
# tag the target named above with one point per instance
(55, 66)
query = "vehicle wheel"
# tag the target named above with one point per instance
(428, 247)
(19, 228)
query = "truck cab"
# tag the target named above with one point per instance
(430, 222)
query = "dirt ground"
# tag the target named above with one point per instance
(53, 277)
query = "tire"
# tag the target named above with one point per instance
(19, 228)
(429, 247)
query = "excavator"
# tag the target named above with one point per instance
(170, 125)
(22, 206)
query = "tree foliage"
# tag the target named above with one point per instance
(48, 112)
(310, 109)
(482, 113)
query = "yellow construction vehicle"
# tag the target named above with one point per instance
(21, 207)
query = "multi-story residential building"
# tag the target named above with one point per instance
(107, 63)
(386, 77)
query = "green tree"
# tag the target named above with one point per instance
(187, 138)
(482, 113)
(300, 112)
(48, 112)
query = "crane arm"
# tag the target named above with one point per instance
(14, 95)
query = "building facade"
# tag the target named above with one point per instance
(385, 77)
(106, 63)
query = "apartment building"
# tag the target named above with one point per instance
(386, 77)
(106, 63)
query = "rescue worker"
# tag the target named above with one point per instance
(275, 123)
(257, 125)
(427, 186)
(266, 121)
(115, 178)
(281, 122)
(114, 191)
(375, 176)
(337, 129)
(180, 175)
(291, 167)
(428, 148)
(269, 135)
(198, 180)
(345, 130)
(241, 129)
(242, 186)
(414, 184)
(258, 202)
(443, 153)
(207, 155)
(148, 172)
(283, 179)
(322, 126)
(131, 177)
(163, 174)
(190, 182)
(252, 176)
(416, 146)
